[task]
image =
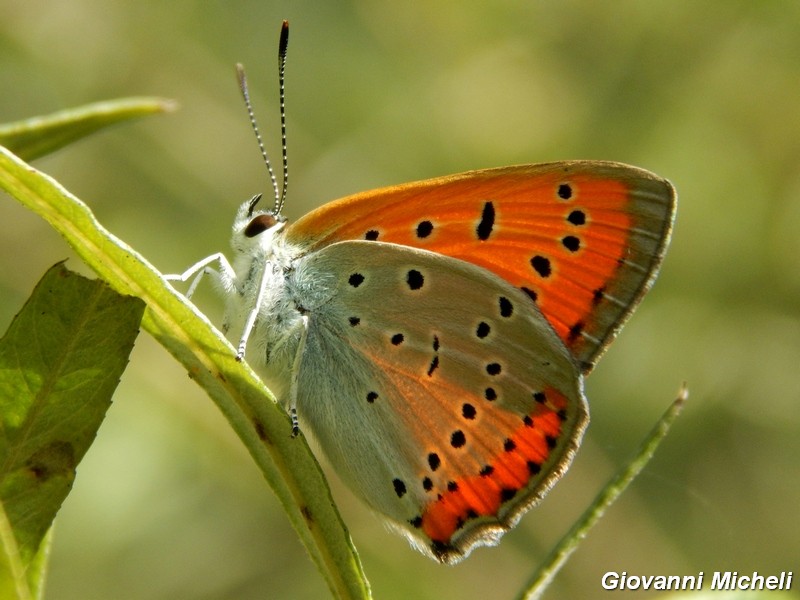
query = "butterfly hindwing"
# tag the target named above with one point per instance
(445, 398)
(582, 239)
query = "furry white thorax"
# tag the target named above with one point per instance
(267, 261)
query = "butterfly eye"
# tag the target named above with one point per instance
(259, 225)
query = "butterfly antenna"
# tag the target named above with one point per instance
(282, 46)
(246, 95)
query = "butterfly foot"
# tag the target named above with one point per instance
(295, 423)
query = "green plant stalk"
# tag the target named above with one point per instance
(286, 462)
(558, 556)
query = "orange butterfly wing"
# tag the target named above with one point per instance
(583, 239)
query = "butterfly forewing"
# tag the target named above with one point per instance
(445, 398)
(582, 239)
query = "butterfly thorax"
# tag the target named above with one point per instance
(264, 265)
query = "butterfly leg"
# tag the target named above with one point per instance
(252, 315)
(226, 274)
(298, 357)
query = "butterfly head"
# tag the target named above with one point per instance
(255, 228)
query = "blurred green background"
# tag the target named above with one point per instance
(168, 505)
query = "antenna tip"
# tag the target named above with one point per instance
(241, 77)
(284, 41)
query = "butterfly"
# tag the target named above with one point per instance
(434, 336)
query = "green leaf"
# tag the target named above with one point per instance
(38, 136)
(60, 362)
(287, 463)
(37, 569)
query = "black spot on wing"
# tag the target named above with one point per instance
(414, 279)
(424, 229)
(399, 487)
(486, 224)
(541, 265)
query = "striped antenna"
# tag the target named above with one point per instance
(282, 46)
(280, 195)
